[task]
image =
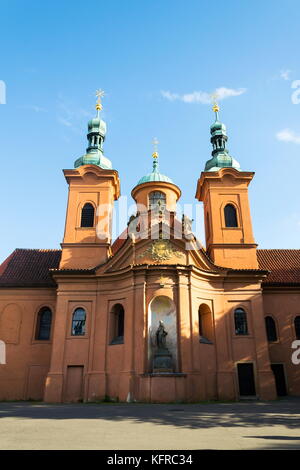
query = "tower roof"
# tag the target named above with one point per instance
(155, 175)
(96, 136)
(220, 155)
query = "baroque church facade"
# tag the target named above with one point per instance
(153, 316)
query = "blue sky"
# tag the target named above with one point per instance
(54, 55)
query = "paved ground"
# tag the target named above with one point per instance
(257, 425)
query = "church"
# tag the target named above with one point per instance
(152, 316)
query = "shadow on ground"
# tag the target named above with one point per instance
(193, 416)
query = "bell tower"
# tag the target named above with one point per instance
(93, 188)
(223, 188)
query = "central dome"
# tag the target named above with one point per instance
(155, 184)
(155, 176)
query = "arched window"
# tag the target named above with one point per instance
(156, 199)
(205, 324)
(43, 326)
(87, 215)
(297, 326)
(78, 322)
(117, 324)
(271, 329)
(240, 322)
(230, 216)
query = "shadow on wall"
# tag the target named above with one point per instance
(251, 344)
(71, 258)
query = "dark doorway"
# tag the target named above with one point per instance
(278, 371)
(246, 379)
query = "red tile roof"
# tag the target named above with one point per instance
(283, 264)
(29, 268)
(119, 242)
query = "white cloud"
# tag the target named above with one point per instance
(170, 96)
(223, 92)
(32, 107)
(64, 122)
(70, 115)
(287, 135)
(202, 96)
(285, 74)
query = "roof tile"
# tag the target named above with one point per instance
(29, 268)
(283, 264)
(119, 242)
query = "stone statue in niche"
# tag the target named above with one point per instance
(162, 361)
(161, 334)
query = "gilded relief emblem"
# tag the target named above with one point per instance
(161, 250)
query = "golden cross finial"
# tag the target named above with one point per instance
(214, 97)
(99, 94)
(155, 144)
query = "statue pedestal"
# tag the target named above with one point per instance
(162, 361)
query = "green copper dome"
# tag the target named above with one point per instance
(155, 175)
(220, 155)
(218, 128)
(97, 125)
(94, 152)
(222, 160)
(94, 158)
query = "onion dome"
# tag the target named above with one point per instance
(96, 136)
(220, 155)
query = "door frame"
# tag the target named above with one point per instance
(246, 397)
(285, 377)
(65, 382)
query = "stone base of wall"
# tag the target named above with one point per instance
(162, 388)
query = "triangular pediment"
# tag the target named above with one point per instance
(165, 248)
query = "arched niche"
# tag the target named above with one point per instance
(162, 308)
(205, 324)
(10, 323)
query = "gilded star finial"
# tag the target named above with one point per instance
(214, 98)
(155, 144)
(99, 94)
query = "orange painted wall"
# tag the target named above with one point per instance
(120, 371)
(141, 194)
(284, 307)
(232, 247)
(27, 359)
(85, 247)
